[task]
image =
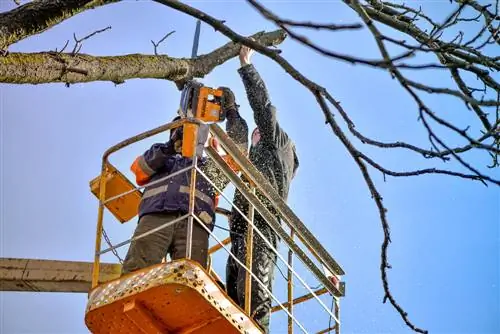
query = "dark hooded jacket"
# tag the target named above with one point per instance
(172, 195)
(274, 155)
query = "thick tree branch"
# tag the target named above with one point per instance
(45, 67)
(37, 16)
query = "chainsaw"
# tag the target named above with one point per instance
(202, 103)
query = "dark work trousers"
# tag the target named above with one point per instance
(151, 249)
(263, 262)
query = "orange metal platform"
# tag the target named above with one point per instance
(174, 297)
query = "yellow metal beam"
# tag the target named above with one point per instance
(51, 276)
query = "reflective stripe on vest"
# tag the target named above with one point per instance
(141, 161)
(183, 189)
(205, 198)
(204, 216)
(154, 191)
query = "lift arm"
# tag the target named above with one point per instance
(35, 275)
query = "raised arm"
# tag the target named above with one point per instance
(236, 126)
(237, 130)
(260, 102)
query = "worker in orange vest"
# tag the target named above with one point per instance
(169, 199)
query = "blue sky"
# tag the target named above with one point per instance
(445, 249)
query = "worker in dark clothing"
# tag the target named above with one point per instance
(273, 154)
(169, 199)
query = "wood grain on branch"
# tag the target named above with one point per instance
(46, 67)
(37, 16)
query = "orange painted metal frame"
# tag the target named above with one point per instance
(174, 297)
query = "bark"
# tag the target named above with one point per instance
(47, 67)
(37, 16)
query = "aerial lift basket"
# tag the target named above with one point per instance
(174, 297)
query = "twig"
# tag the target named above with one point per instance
(422, 107)
(481, 177)
(488, 16)
(155, 45)
(63, 48)
(319, 26)
(418, 13)
(425, 153)
(418, 172)
(448, 22)
(78, 42)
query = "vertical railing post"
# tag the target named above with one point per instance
(290, 286)
(100, 215)
(192, 194)
(337, 314)
(249, 257)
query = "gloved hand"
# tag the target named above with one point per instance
(228, 101)
(214, 143)
(176, 139)
(176, 133)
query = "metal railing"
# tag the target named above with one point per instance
(260, 184)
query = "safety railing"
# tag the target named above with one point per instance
(259, 184)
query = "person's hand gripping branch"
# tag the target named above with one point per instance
(245, 54)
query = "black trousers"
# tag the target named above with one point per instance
(151, 249)
(263, 263)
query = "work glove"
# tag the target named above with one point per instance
(214, 143)
(176, 139)
(228, 104)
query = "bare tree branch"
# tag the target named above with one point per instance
(303, 40)
(320, 26)
(453, 18)
(489, 17)
(459, 56)
(425, 153)
(45, 67)
(301, 24)
(20, 22)
(418, 13)
(378, 37)
(422, 171)
(467, 99)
